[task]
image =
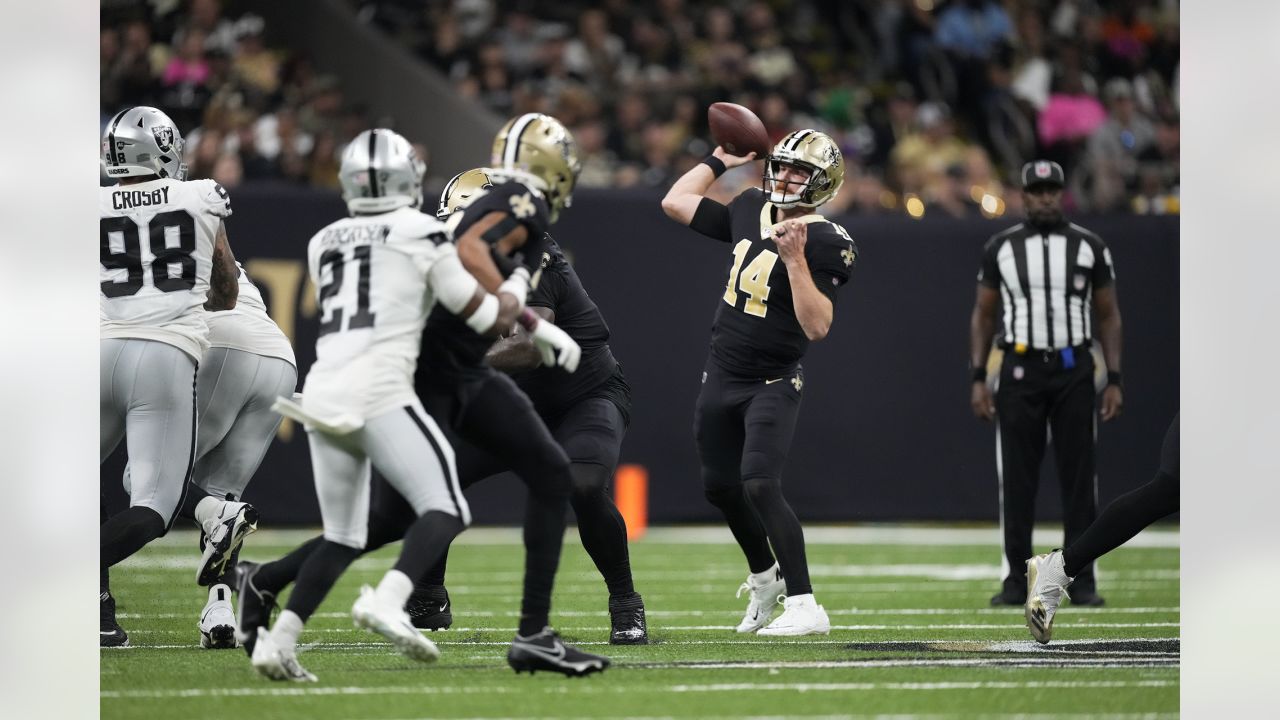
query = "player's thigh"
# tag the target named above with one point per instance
(111, 406)
(718, 430)
(499, 418)
(410, 451)
(222, 388)
(591, 432)
(341, 473)
(229, 466)
(160, 425)
(770, 423)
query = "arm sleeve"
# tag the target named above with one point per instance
(1104, 272)
(449, 280)
(712, 219)
(989, 270)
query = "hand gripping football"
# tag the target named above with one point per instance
(737, 129)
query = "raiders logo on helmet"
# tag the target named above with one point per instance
(164, 137)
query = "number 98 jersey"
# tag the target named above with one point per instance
(156, 254)
(373, 297)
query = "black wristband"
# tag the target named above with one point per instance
(1114, 378)
(979, 374)
(716, 165)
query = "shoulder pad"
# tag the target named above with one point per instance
(215, 197)
(414, 225)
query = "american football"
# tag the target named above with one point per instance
(737, 129)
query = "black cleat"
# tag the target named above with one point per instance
(110, 633)
(546, 651)
(1008, 597)
(429, 608)
(626, 618)
(1087, 598)
(221, 537)
(255, 606)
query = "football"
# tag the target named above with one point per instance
(737, 129)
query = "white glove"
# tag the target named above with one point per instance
(556, 347)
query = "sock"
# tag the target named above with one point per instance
(394, 589)
(766, 576)
(435, 575)
(784, 531)
(207, 509)
(126, 533)
(318, 575)
(276, 576)
(601, 527)
(1121, 520)
(745, 525)
(544, 521)
(426, 540)
(287, 629)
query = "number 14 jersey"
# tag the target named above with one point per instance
(756, 333)
(156, 255)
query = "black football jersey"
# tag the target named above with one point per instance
(551, 388)
(448, 343)
(755, 332)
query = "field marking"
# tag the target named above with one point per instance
(1086, 611)
(584, 688)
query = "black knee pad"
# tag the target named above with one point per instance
(762, 491)
(723, 495)
(589, 479)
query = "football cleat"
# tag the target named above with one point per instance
(223, 536)
(275, 662)
(766, 591)
(801, 615)
(110, 634)
(546, 651)
(217, 620)
(393, 624)
(429, 608)
(255, 606)
(1047, 583)
(626, 620)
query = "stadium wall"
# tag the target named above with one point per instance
(885, 432)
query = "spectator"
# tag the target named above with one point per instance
(595, 54)
(227, 171)
(188, 67)
(1114, 147)
(973, 28)
(257, 67)
(1072, 113)
(921, 160)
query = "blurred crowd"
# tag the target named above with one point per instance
(248, 112)
(935, 103)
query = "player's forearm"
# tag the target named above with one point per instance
(1109, 334)
(982, 330)
(224, 280)
(515, 353)
(814, 310)
(681, 201)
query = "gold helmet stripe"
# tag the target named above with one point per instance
(513, 138)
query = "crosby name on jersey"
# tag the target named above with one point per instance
(156, 255)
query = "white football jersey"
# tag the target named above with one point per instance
(373, 297)
(156, 259)
(248, 327)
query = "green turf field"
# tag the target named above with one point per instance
(912, 635)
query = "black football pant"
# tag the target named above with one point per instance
(1036, 395)
(1131, 512)
(743, 427)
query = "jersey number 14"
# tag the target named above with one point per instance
(752, 280)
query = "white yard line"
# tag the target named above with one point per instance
(715, 613)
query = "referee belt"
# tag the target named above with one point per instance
(1045, 356)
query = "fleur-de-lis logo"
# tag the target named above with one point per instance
(522, 206)
(797, 382)
(847, 255)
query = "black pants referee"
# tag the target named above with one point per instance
(1049, 277)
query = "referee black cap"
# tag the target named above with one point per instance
(1042, 172)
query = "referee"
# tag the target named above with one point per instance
(1049, 275)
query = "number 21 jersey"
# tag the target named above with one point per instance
(156, 255)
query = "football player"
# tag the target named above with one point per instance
(378, 275)
(500, 234)
(164, 260)
(1049, 575)
(785, 267)
(248, 365)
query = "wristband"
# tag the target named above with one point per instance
(979, 374)
(716, 165)
(528, 319)
(1114, 378)
(517, 285)
(485, 315)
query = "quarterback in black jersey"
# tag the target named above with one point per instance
(500, 240)
(785, 268)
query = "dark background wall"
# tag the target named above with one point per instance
(885, 432)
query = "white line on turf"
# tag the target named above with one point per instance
(728, 628)
(715, 613)
(580, 688)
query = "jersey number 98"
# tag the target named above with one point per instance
(165, 257)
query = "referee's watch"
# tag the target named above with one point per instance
(1115, 378)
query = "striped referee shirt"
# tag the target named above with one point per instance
(1046, 281)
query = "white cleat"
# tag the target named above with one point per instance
(802, 615)
(223, 535)
(393, 624)
(278, 663)
(766, 591)
(218, 620)
(1047, 583)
